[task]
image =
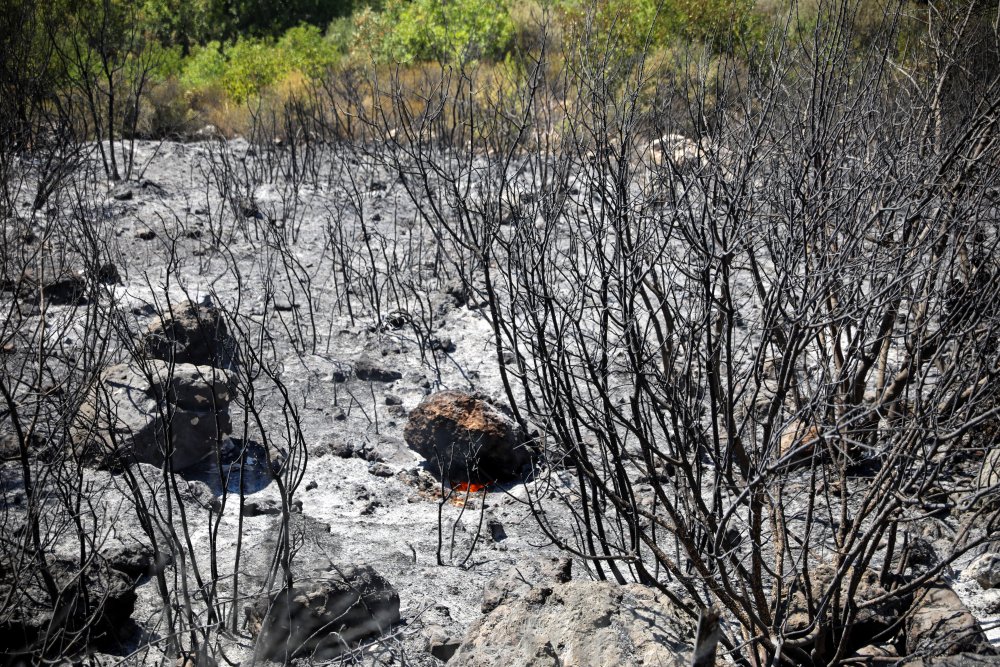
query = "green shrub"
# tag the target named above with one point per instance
(252, 65)
(204, 68)
(340, 34)
(661, 22)
(424, 30)
(305, 49)
(167, 61)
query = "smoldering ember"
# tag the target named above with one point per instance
(514, 333)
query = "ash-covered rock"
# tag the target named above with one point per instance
(151, 412)
(581, 623)
(985, 570)
(329, 606)
(190, 333)
(940, 624)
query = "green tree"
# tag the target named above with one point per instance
(437, 30)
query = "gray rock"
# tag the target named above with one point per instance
(93, 605)
(441, 643)
(122, 192)
(465, 437)
(65, 289)
(877, 612)
(328, 609)
(368, 370)
(989, 474)
(200, 494)
(497, 532)
(191, 334)
(985, 570)
(107, 274)
(128, 415)
(957, 660)
(940, 624)
(381, 470)
(581, 623)
(532, 580)
(133, 558)
(263, 507)
(191, 387)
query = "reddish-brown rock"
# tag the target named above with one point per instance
(466, 437)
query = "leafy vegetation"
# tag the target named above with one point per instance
(204, 59)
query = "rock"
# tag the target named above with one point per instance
(107, 274)
(532, 580)
(882, 653)
(328, 608)
(798, 443)
(989, 474)
(390, 399)
(584, 624)
(200, 494)
(940, 624)
(94, 605)
(263, 507)
(189, 334)
(122, 192)
(441, 344)
(124, 418)
(985, 570)
(497, 532)
(191, 387)
(466, 437)
(146, 235)
(381, 470)
(133, 558)
(957, 660)
(368, 370)
(67, 288)
(869, 623)
(441, 644)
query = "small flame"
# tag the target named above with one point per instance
(468, 487)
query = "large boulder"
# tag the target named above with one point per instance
(189, 333)
(128, 415)
(876, 614)
(529, 579)
(985, 570)
(325, 615)
(940, 624)
(581, 624)
(466, 437)
(329, 607)
(94, 606)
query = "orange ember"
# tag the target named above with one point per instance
(470, 487)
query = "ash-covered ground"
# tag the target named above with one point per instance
(348, 316)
